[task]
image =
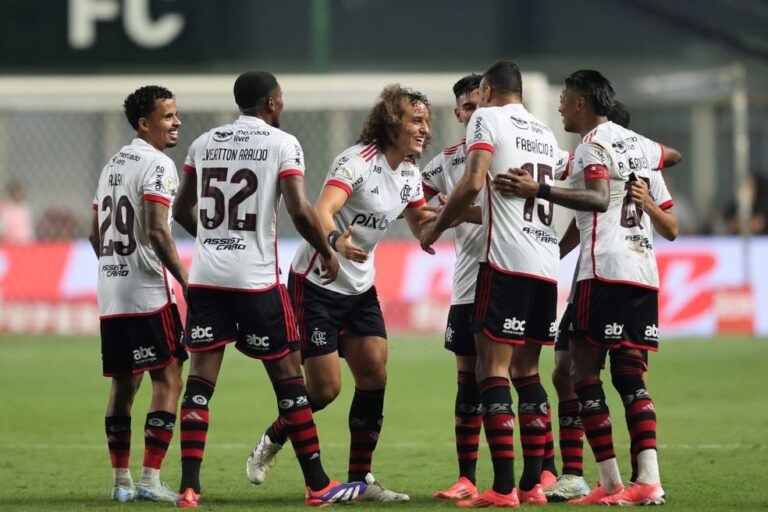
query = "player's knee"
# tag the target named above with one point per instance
(563, 381)
(627, 374)
(321, 397)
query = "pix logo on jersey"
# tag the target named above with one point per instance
(370, 221)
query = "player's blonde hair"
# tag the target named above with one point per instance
(382, 126)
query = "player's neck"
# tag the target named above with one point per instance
(501, 101)
(155, 144)
(394, 157)
(592, 123)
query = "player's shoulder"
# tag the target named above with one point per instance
(455, 149)
(359, 155)
(148, 155)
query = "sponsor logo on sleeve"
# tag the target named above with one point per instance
(223, 135)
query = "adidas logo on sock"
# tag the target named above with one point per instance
(192, 416)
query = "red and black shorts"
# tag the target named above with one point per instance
(515, 309)
(142, 342)
(612, 315)
(325, 316)
(459, 335)
(261, 324)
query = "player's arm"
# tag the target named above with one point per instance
(670, 156)
(331, 200)
(185, 202)
(159, 234)
(663, 219)
(307, 223)
(417, 218)
(478, 163)
(570, 239)
(93, 237)
(594, 198)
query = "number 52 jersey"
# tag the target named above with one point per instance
(238, 168)
(132, 279)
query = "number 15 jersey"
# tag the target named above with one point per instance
(238, 168)
(519, 235)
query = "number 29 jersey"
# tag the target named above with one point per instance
(238, 168)
(132, 279)
(520, 238)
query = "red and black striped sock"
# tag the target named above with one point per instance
(296, 417)
(277, 432)
(596, 418)
(118, 429)
(469, 421)
(532, 419)
(194, 430)
(571, 437)
(499, 424)
(158, 432)
(548, 464)
(639, 411)
(366, 415)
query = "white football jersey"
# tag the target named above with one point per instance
(441, 175)
(378, 195)
(616, 245)
(238, 168)
(520, 238)
(132, 279)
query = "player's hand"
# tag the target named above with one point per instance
(329, 269)
(429, 215)
(638, 193)
(348, 249)
(429, 236)
(502, 183)
(521, 183)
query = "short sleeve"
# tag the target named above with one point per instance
(659, 192)
(653, 151)
(479, 132)
(416, 198)
(433, 177)
(189, 161)
(591, 162)
(562, 165)
(347, 173)
(291, 158)
(160, 181)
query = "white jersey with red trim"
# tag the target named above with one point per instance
(132, 279)
(520, 238)
(238, 168)
(616, 245)
(377, 195)
(441, 175)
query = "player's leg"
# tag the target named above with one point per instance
(460, 339)
(596, 307)
(117, 423)
(628, 366)
(166, 331)
(571, 484)
(366, 356)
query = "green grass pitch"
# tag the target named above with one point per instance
(710, 396)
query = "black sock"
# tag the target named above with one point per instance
(366, 415)
(532, 420)
(499, 424)
(469, 421)
(194, 430)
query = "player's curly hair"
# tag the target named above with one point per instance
(384, 120)
(141, 102)
(597, 90)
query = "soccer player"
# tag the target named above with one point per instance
(368, 187)
(440, 176)
(617, 291)
(140, 324)
(236, 174)
(520, 254)
(571, 484)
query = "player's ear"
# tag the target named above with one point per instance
(143, 124)
(271, 103)
(456, 113)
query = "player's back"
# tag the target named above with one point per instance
(132, 278)
(521, 238)
(238, 168)
(616, 246)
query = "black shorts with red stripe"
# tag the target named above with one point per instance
(141, 342)
(514, 309)
(611, 315)
(261, 324)
(325, 316)
(459, 335)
